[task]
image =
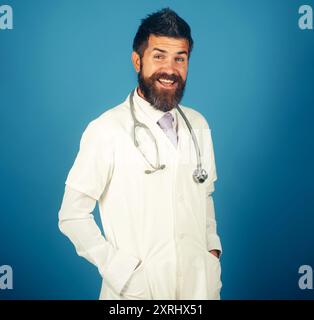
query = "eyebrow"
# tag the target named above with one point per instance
(165, 51)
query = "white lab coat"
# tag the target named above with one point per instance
(163, 221)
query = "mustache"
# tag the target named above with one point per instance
(164, 75)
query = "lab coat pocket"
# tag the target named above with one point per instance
(136, 287)
(214, 283)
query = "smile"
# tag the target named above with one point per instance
(165, 83)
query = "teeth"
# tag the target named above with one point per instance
(166, 81)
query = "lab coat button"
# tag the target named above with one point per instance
(181, 235)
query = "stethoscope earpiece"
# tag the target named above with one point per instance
(152, 171)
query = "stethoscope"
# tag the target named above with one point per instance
(199, 174)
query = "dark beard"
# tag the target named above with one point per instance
(163, 100)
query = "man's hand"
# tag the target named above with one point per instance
(216, 253)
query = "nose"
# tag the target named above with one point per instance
(169, 66)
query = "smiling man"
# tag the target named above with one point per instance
(149, 163)
(162, 70)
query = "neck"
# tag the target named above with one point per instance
(140, 93)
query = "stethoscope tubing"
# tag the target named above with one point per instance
(199, 170)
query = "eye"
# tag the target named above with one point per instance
(180, 59)
(158, 56)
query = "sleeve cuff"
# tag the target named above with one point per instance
(120, 270)
(213, 243)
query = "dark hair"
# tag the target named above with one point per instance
(164, 22)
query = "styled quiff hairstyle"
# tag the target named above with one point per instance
(164, 22)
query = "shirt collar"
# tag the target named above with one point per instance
(153, 113)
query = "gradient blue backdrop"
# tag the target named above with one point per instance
(251, 74)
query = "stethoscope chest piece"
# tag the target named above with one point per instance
(200, 175)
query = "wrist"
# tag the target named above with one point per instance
(215, 252)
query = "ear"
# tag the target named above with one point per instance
(136, 60)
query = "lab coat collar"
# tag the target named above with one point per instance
(153, 113)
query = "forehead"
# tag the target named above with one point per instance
(172, 45)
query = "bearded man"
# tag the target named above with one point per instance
(149, 164)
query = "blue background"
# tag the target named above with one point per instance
(251, 74)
